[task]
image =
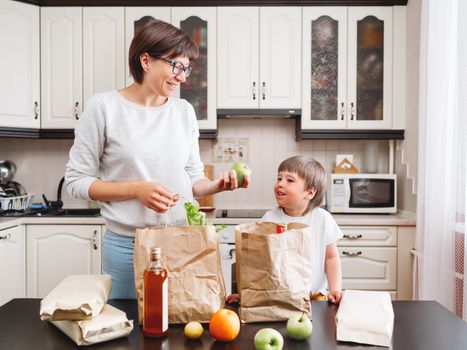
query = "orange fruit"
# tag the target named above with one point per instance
(224, 325)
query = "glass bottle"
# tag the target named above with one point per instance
(156, 320)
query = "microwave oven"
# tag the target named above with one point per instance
(362, 193)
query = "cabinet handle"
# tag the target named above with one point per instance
(94, 239)
(36, 109)
(353, 236)
(352, 110)
(264, 90)
(8, 236)
(254, 90)
(342, 111)
(76, 110)
(352, 253)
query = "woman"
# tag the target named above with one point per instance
(136, 149)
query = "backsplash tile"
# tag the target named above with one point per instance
(41, 163)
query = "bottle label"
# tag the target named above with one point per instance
(165, 305)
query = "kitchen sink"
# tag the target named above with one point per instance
(75, 212)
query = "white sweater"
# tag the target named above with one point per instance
(117, 140)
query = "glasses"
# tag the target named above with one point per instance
(177, 67)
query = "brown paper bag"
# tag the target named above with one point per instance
(273, 271)
(192, 258)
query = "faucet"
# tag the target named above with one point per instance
(58, 204)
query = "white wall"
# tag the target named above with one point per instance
(41, 163)
(407, 154)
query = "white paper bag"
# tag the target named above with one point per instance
(77, 297)
(365, 317)
(110, 324)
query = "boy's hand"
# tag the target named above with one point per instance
(335, 296)
(232, 298)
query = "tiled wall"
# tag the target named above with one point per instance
(270, 142)
(41, 163)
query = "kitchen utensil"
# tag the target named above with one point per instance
(7, 171)
(16, 188)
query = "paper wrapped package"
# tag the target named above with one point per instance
(273, 271)
(365, 317)
(77, 297)
(110, 324)
(191, 255)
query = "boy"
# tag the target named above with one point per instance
(299, 192)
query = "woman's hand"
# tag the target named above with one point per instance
(228, 181)
(334, 296)
(155, 196)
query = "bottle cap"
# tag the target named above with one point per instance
(155, 253)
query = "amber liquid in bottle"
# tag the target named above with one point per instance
(155, 297)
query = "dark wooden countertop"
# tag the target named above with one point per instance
(418, 325)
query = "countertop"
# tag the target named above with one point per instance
(400, 219)
(418, 325)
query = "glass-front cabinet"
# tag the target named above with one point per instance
(347, 68)
(200, 88)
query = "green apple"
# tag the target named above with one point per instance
(299, 327)
(268, 339)
(241, 170)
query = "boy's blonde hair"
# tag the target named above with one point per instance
(312, 172)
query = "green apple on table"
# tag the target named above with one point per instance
(241, 170)
(299, 327)
(268, 339)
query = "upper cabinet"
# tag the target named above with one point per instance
(348, 68)
(136, 17)
(259, 57)
(103, 49)
(82, 53)
(19, 65)
(200, 87)
(61, 66)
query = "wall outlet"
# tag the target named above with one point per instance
(232, 149)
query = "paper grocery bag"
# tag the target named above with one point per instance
(273, 271)
(365, 317)
(111, 323)
(77, 297)
(192, 258)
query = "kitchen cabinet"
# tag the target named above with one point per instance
(61, 66)
(12, 260)
(19, 65)
(56, 251)
(259, 57)
(377, 258)
(200, 87)
(104, 56)
(348, 67)
(136, 17)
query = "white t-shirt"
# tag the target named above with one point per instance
(325, 231)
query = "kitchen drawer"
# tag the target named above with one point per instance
(368, 236)
(369, 268)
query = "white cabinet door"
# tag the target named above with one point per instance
(324, 78)
(56, 251)
(103, 49)
(238, 57)
(12, 261)
(61, 66)
(369, 268)
(280, 61)
(137, 16)
(200, 87)
(369, 72)
(19, 65)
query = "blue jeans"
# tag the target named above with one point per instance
(118, 263)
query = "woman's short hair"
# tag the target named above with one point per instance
(312, 172)
(158, 38)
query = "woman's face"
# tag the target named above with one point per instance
(160, 78)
